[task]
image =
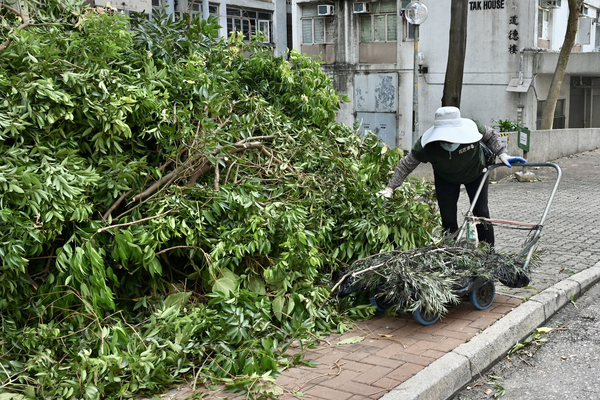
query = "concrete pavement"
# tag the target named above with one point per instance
(401, 359)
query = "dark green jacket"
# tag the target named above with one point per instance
(463, 165)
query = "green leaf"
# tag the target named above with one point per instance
(225, 285)
(177, 298)
(351, 340)
(277, 305)
(257, 285)
(12, 396)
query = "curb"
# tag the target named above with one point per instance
(450, 373)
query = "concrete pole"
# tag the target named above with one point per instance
(415, 125)
(205, 11)
(170, 6)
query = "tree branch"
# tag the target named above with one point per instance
(173, 248)
(66, 62)
(134, 222)
(115, 205)
(217, 177)
(24, 17)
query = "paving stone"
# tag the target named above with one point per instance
(413, 359)
(405, 371)
(448, 344)
(386, 362)
(373, 374)
(323, 392)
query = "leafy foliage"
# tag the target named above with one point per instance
(174, 205)
(505, 125)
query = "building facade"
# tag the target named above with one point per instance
(367, 47)
(271, 17)
(512, 50)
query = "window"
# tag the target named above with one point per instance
(197, 9)
(409, 29)
(597, 36)
(316, 29)
(559, 114)
(249, 22)
(543, 15)
(585, 30)
(382, 24)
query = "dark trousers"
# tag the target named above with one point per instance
(447, 196)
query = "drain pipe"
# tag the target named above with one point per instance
(521, 77)
(170, 7)
(524, 173)
(205, 11)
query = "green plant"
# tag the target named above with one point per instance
(535, 339)
(505, 125)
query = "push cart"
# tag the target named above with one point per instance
(482, 291)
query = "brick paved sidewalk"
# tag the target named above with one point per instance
(393, 350)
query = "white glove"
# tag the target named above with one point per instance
(386, 193)
(506, 159)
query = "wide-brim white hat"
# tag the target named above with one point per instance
(448, 126)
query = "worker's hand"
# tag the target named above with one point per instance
(385, 193)
(506, 159)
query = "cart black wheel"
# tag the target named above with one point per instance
(483, 297)
(381, 307)
(425, 318)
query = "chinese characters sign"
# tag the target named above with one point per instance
(513, 32)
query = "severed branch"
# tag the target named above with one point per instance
(134, 222)
(229, 170)
(173, 248)
(115, 205)
(24, 17)
(154, 187)
(217, 177)
(173, 174)
(207, 166)
(354, 274)
(66, 62)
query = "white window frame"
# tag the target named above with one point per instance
(545, 34)
(249, 25)
(375, 9)
(584, 31)
(267, 32)
(196, 8)
(328, 28)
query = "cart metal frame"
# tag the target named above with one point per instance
(527, 251)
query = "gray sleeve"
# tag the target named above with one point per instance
(492, 140)
(405, 167)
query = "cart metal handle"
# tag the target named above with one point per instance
(528, 249)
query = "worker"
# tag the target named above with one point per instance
(452, 146)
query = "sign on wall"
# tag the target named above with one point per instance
(513, 32)
(524, 139)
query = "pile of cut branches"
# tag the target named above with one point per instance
(173, 204)
(428, 278)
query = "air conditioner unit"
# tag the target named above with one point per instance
(325, 9)
(550, 3)
(361, 8)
